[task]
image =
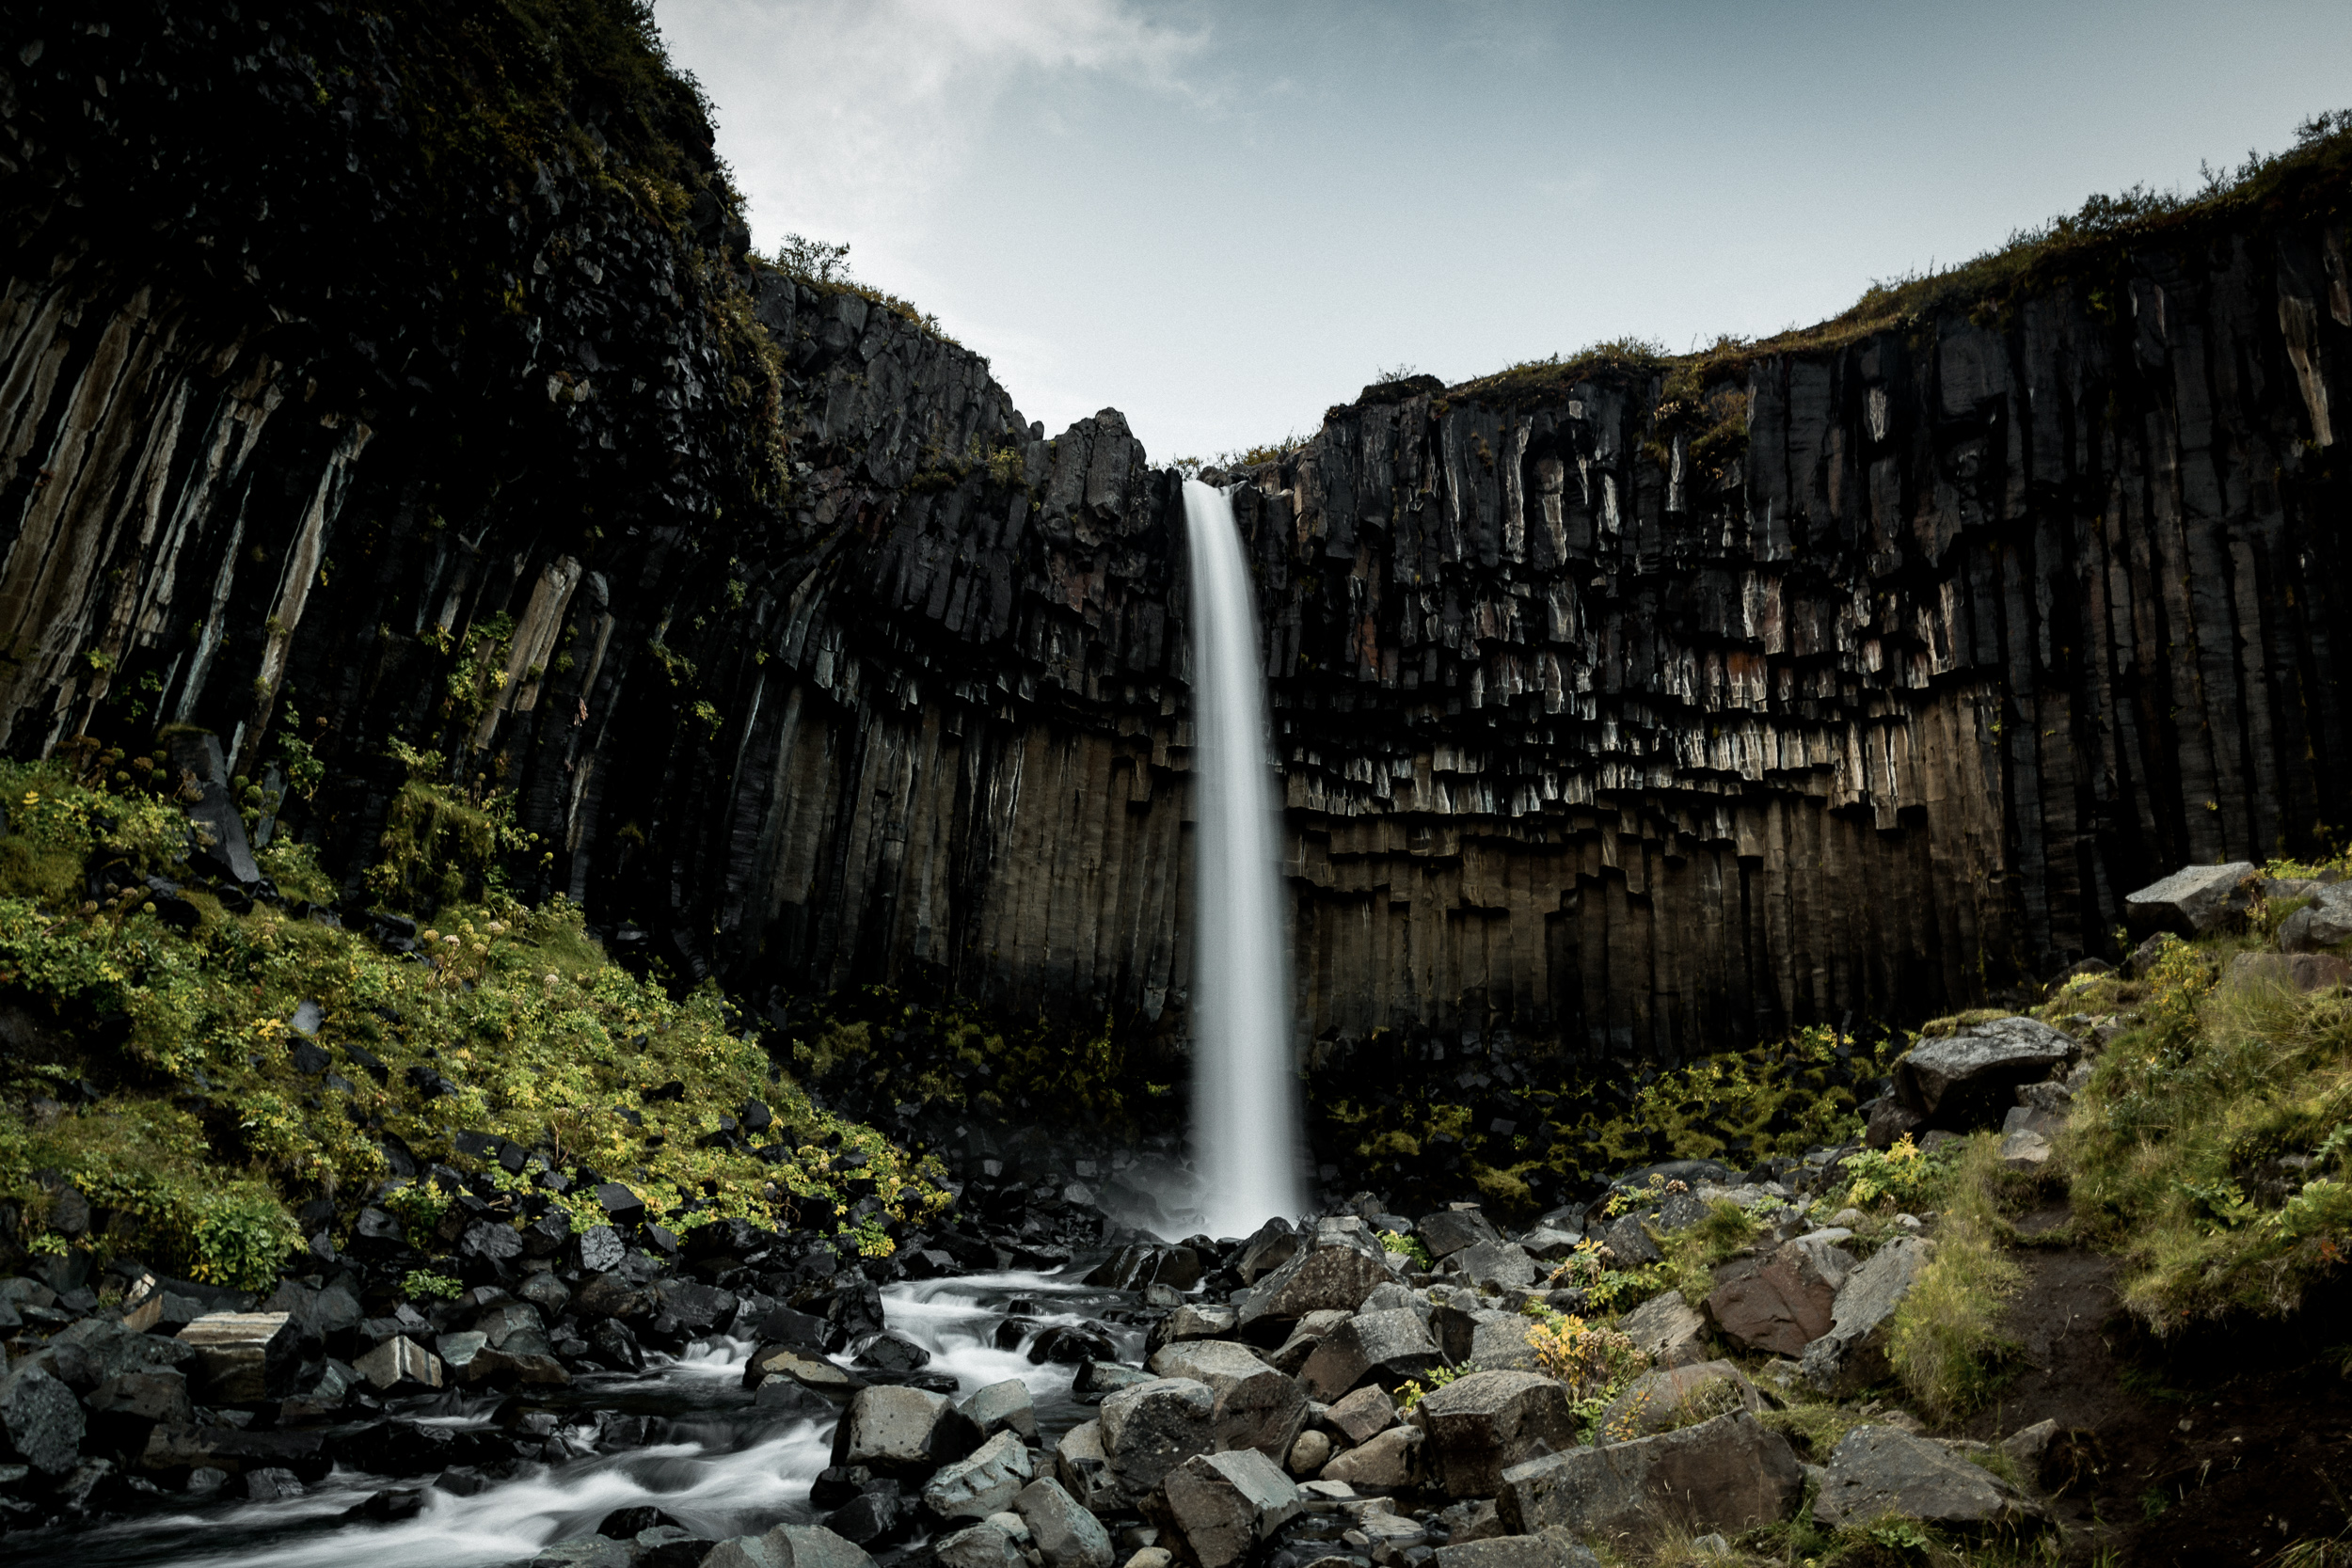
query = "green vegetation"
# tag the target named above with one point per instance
(203, 1129)
(1946, 1344)
(824, 266)
(1410, 1246)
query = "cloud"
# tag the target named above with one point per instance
(840, 115)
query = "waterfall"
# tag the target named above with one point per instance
(1244, 1098)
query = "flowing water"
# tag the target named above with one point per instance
(1245, 1087)
(725, 1468)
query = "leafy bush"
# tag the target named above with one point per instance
(421, 1285)
(1409, 1246)
(1903, 1175)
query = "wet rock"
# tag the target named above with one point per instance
(1065, 1534)
(1969, 1078)
(1853, 1354)
(1677, 1397)
(1388, 1348)
(880, 1516)
(893, 1352)
(128, 1404)
(810, 1370)
(41, 1420)
(900, 1431)
(173, 1448)
(589, 1551)
(243, 1357)
(1667, 1329)
(1097, 1378)
(1877, 1469)
(2192, 901)
(1256, 1407)
(1224, 1504)
(1071, 1345)
(401, 1361)
(1333, 1277)
(268, 1484)
(1729, 1473)
(1381, 1465)
(1275, 1244)
(1481, 1425)
(1448, 1230)
(984, 1483)
(1149, 1429)
(788, 1547)
(1084, 1469)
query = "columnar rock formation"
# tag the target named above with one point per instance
(1624, 710)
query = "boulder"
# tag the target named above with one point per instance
(401, 1360)
(1677, 1397)
(981, 1545)
(1325, 1278)
(896, 1431)
(2192, 901)
(1780, 1304)
(1500, 1264)
(1969, 1078)
(1383, 1464)
(1518, 1551)
(1308, 1454)
(984, 1483)
(1853, 1354)
(1363, 1413)
(1448, 1230)
(1667, 1329)
(804, 1366)
(1006, 1406)
(785, 1546)
(1551, 1244)
(1388, 1348)
(2327, 921)
(129, 1398)
(1881, 1470)
(2298, 972)
(244, 1357)
(2024, 1150)
(1149, 1429)
(1630, 1241)
(41, 1420)
(1224, 1504)
(1065, 1534)
(1275, 1244)
(1256, 1407)
(1730, 1474)
(1304, 1335)
(1481, 1425)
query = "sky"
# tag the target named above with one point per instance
(1221, 217)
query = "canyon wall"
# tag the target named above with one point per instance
(1624, 710)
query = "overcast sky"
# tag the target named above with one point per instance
(1221, 217)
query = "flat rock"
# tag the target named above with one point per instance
(1853, 1354)
(1730, 1474)
(1782, 1303)
(1879, 1469)
(1677, 1397)
(1481, 1425)
(2192, 901)
(1969, 1078)
(803, 1365)
(1225, 1504)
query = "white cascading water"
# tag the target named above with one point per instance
(1244, 1090)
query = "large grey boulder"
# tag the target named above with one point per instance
(1066, 1535)
(981, 1545)
(1730, 1474)
(1388, 1348)
(984, 1483)
(244, 1357)
(785, 1546)
(1853, 1352)
(1969, 1078)
(1779, 1305)
(1338, 1275)
(1084, 1469)
(1363, 1414)
(1481, 1425)
(1256, 1407)
(1554, 1550)
(1448, 1230)
(1275, 1244)
(1224, 1504)
(2300, 972)
(2190, 902)
(1498, 1342)
(900, 1431)
(1667, 1329)
(41, 1420)
(1877, 1469)
(1677, 1397)
(1381, 1465)
(1500, 1264)
(1006, 1406)
(1304, 1335)
(1629, 1240)
(2326, 922)
(1149, 1429)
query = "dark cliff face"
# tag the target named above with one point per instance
(1622, 711)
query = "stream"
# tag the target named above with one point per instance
(723, 1467)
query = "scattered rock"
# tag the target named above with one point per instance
(1779, 1305)
(1877, 1469)
(1334, 1278)
(1224, 1504)
(1149, 1429)
(1677, 1397)
(1388, 1348)
(1256, 1407)
(900, 1431)
(42, 1420)
(2298, 972)
(1481, 1425)
(2192, 901)
(1500, 1264)
(2326, 922)
(1006, 1406)
(1308, 1454)
(244, 1357)
(1362, 1414)
(401, 1360)
(1853, 1354)
(984, 1483)
(1066, 1535)
(1667, 1329)
(1383, 1464)
(1551, 1550)
(981, 1545)
(1968, 1078)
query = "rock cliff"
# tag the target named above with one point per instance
(1625, 709)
